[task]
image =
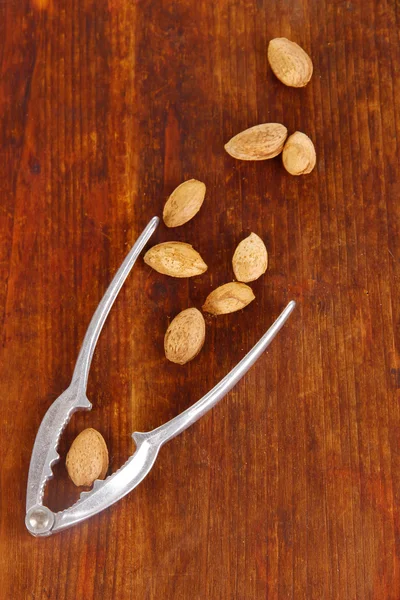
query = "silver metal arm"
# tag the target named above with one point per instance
(81, 371)
(44, 453)
(116, 486)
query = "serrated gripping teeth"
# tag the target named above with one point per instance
(96, 486)
(84, 404)
(138, 438)
(53, 457)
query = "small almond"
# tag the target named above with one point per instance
(87, 459)
(228, 298)
(184, 203)
(185, 336)
(290, 63)
(299, 156)
(250, 260)
(175, 259)
(258, 143)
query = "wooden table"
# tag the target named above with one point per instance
(290, 487)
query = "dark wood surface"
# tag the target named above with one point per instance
(290, 488)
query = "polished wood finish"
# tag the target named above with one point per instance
(290, 488)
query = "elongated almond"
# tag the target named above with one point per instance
(87, 459)
(258, 143)
(175, 259)
(228, 298)
(299, 156)
(290, 63)
(184, 203)
(250, 260)
(185, 336)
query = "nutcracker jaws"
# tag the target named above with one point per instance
(40, 520)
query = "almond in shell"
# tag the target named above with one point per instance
(184, 203)
(185, 336)
(250, 260)
(299, 156)
(290, 63)
(87, 459)
(258, 143)
(228, 298)
(175, 259)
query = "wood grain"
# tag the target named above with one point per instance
(291, 487)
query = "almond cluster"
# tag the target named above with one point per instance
(293, 67)
(186, 333)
